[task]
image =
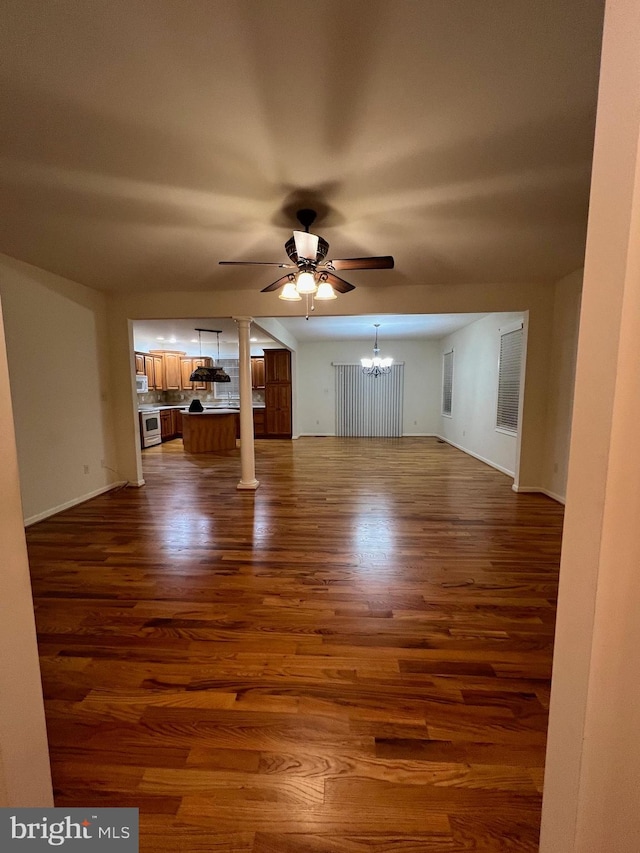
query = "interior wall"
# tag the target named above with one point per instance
(25, 778)
(592, 772)
(566, 320)
(56, 347)
(472, 425)
(316, 382)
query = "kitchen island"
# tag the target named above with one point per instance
(208, 431)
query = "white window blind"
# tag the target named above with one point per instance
(447, 382)
(509, 380)
(368, 406)
(225, 389)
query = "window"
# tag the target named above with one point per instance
(224, 390)
(447, 382)
(509, 380)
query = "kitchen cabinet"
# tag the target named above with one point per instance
(150, 371)
(170, 424)
(158, 373)
(166, 424)
(177, 422)
(187, 366)
(258, 423)
(277, 394)
(257, 372)
(139, 359)
(172, 375)
(277, 408)
(277, 365)
(205, 432)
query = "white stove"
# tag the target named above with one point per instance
(150, 427)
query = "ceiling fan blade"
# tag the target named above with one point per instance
(382, 263)
(257, 264)
(338, 284)
(276, 284)
(306, 245)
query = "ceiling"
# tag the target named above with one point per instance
(143, 142)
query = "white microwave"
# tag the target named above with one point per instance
(142, 384)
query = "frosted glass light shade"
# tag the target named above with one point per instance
(325, 291)
(306, 283)
(290, 293)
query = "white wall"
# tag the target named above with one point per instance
(58, 365)
(592, 775)
(472, 426)
(25, 778)
(316, 382)
(566, 319)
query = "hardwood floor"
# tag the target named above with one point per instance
(353, 659)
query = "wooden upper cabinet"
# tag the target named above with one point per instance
(139, 357)
(150, 370)
(172, 372)
(186, 369)
(277, 365)
(187, 366)
(257, 372)
(158, 373)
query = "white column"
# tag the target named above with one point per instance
(247, 446)
(592, 776)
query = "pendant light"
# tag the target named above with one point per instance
(209, 374)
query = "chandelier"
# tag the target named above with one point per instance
(376, 366)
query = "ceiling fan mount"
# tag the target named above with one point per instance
(306, 217)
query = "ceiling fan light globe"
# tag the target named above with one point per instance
(325, 291)
(289, 293)
(306, 282)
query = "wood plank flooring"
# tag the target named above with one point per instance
(353, 659)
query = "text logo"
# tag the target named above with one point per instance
(104, 830)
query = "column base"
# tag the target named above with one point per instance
(252, 485)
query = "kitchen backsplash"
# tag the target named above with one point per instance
(174, 397)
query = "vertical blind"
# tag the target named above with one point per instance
(447, 382)
(509, 380)
(368, 406)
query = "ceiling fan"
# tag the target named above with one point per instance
(311, 274)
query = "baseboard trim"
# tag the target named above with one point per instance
(33, 519)
(477, 456)
(333, 435)
(523, 490)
